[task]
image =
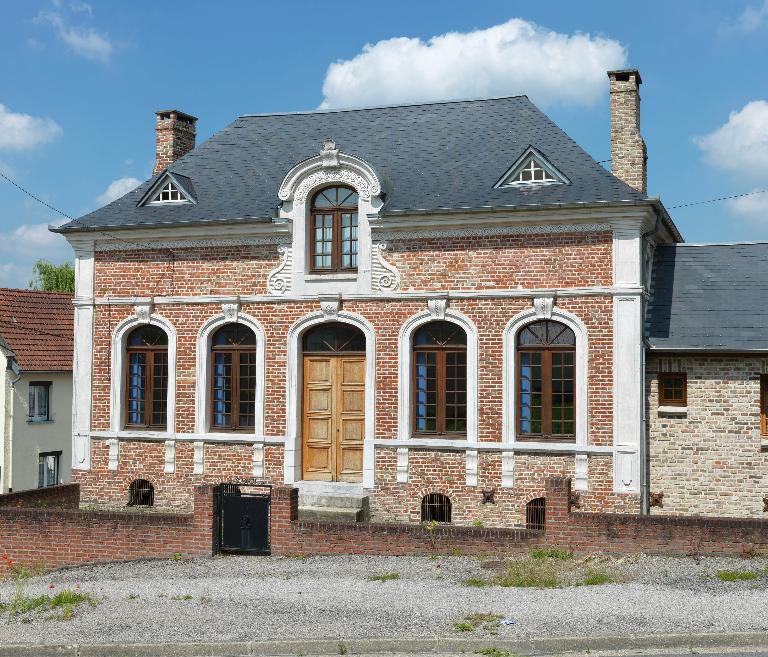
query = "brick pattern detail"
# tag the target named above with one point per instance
(67, 536)
(710, 460)
(504, 261)
(628, 151)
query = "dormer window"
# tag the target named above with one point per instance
(333, 230)
(169, 194)
(532, 172)
(531, 169)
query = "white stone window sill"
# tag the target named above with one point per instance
(673, 410)
(330, 277)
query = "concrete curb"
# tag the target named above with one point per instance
(436, 646)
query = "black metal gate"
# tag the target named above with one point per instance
(244, 518)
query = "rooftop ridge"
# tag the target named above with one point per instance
(389, 106)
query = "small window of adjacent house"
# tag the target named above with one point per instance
(169, 194)
(39, 401)
(48, 469)
(532, 172)
(764, 404)
(673, 389)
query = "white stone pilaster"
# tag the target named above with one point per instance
(114, 454)
(402, 465)
(199, 458)
(507, 469)
(170, 456)
(257, 462)
(472, 467)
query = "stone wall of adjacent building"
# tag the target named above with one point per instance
(710, 459)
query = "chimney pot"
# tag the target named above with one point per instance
(629, 156)
(174, 137)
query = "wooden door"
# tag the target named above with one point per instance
(333, 422)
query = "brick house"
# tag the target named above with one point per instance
(425, 308)
(35, 388)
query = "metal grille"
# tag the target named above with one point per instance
(141, 493)
(436, 507)
(535, 514)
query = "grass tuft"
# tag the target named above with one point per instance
(597, 578)
(495, 652)
(386, 577)
(477, 582)
(550, 553)
(736, 575)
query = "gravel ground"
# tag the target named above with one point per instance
(252, 598)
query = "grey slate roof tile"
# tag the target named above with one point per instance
(430, 157)
(711, 296)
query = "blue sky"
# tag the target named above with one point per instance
(79, 84)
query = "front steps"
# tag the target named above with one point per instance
(332, 501)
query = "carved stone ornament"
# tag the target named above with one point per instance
(384, 276)
(231, 310)
(330, 305)
(330, 175)
(330, 154)
(437, 307)
(279, 279)
(143, 311)
(543, 307)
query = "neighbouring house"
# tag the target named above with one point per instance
(36, 330)
(421, 309)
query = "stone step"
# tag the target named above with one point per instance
(333, 514)
(321, 499)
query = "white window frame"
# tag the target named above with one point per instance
(203, 371)
(174, 189)
(405, 378)
(35, 388)
(531, 156)
(42, 482)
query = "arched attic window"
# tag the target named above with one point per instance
(333, 230)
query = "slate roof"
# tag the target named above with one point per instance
(430, 156)
(38, 328)
(709, 297)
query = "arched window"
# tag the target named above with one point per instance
(546, 382)
(440, 379)
(536, 514)
(147, 378)
(233, 378)
(141, 493)
(333, 230)
(435, 507)
(334, 337)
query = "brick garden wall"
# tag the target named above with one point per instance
(64, 496)
(709, 460)
(66, 536)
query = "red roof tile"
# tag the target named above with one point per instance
(38, 327)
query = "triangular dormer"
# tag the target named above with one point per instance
(170, 189)
(532, 169)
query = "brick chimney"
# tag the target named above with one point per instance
(175, 137)
(629, 157)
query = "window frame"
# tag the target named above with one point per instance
(441, 372)
(764, 404)
(150, 351)
(43, 385)
(336, 212)
(235, 352)
(546, 351)
(668, 401)
(57, 470)
(158, 199)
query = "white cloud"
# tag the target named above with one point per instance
(35, 236)
(22, 131)
(753, 208)
(751, 19)
(118, 188)
(741, 144)
(85, 41)
(516, 57)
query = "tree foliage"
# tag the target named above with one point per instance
(53, 278)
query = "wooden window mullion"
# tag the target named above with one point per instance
(236, 390)
(149, 392)
(546, 393)
(441, 373)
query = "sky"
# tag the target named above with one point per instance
(80, 82)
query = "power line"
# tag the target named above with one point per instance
(39, 200)
(722, 198)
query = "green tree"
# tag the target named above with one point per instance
(52, 278)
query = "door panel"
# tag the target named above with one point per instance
(333, 425)
(317, 427)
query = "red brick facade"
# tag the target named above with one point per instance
(535, 261)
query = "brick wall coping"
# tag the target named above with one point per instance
(441, 531)
(35, 513)
(679, 521)
(59, 496)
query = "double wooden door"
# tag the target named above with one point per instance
(333, 422)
